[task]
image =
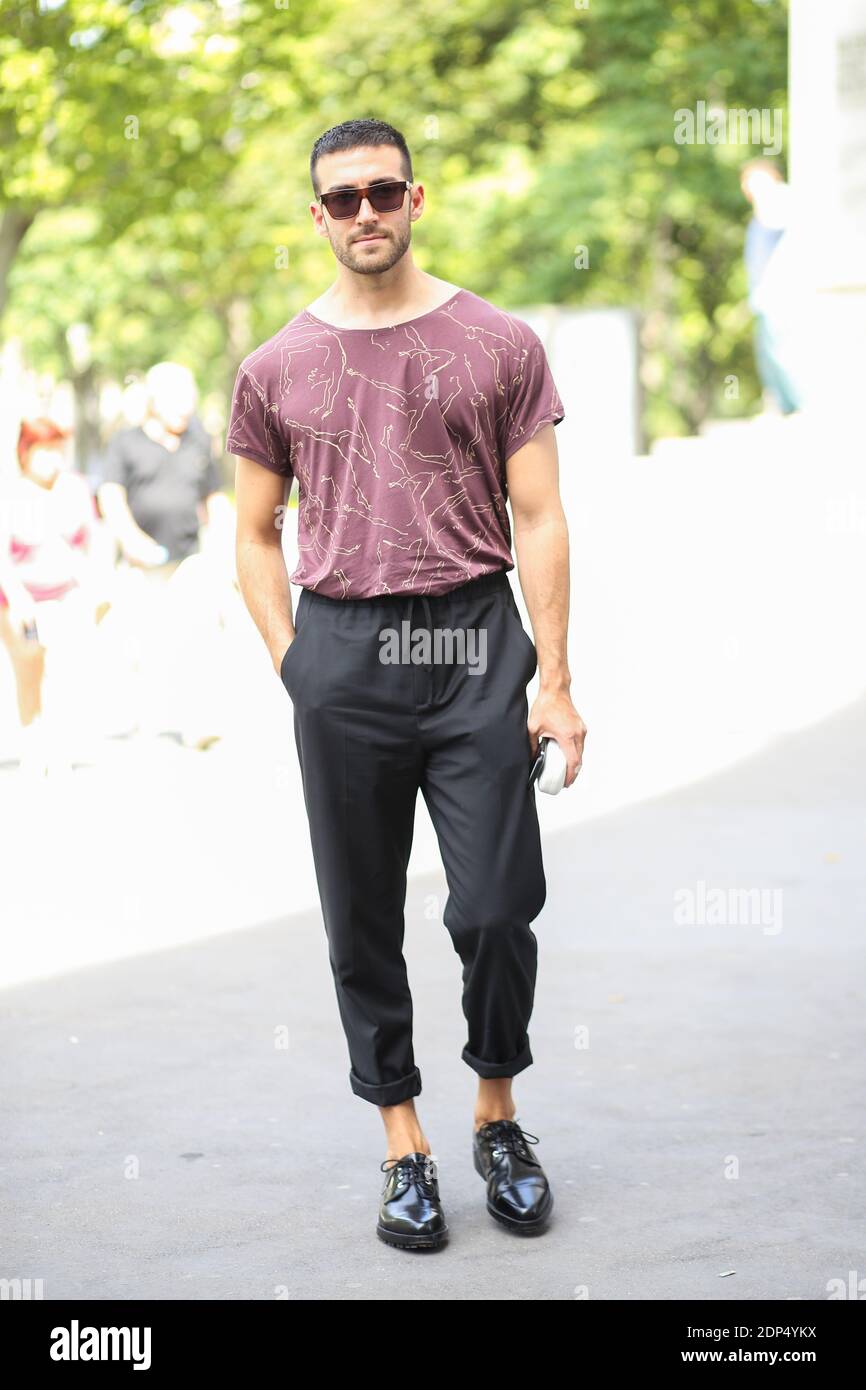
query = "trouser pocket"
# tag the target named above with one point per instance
(291, 655)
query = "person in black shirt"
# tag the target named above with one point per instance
(160, 480)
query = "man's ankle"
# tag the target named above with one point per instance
(492, 1116)
(400, 1148)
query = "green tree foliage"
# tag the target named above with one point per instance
(155, 181)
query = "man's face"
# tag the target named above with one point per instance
(391, 230)
(173, 403)
(758, 184)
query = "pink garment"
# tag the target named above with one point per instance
(398, 438)
(41, 529)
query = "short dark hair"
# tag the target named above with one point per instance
(349, 135)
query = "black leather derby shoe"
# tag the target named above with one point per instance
(410, 1213)
(518, 1193)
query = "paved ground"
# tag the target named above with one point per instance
(161, 1141)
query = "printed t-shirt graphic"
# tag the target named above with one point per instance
(398, 438)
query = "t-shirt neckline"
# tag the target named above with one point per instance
(388, 327)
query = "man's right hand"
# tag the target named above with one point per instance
(279, 656)
(142, 550)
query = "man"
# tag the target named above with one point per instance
(408, 409)
(158, 476)
(773, 283)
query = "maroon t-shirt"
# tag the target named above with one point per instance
(398, 438)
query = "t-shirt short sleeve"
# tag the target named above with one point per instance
(114, 466)
(531, 397)
(253, 428)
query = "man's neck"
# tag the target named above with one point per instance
(156, 430)
(375, 302)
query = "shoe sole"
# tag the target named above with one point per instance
(413, 1242)
(512, 1223)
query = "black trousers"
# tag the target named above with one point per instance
(370, 732)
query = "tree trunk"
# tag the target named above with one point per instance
(237, 321)
(88, 442)
(14, 224)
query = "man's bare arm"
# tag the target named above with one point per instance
(136, 544)
(541, 551)
(260, 498)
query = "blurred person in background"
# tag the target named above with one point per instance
(773, 283)
(160, 495)
(55, 587)
(160, 480)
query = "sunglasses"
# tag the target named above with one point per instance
(384, 197)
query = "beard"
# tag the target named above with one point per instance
(374, 261)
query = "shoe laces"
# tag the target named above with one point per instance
(509, 1138)
(421, 1172)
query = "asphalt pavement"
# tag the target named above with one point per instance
(180, 1124)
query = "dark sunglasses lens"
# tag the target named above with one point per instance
(384, 197)
(387, 197)
(342, 204)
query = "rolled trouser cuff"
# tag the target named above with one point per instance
(490, 1070)
(392, 1092)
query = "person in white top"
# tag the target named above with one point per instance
(55, 576)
